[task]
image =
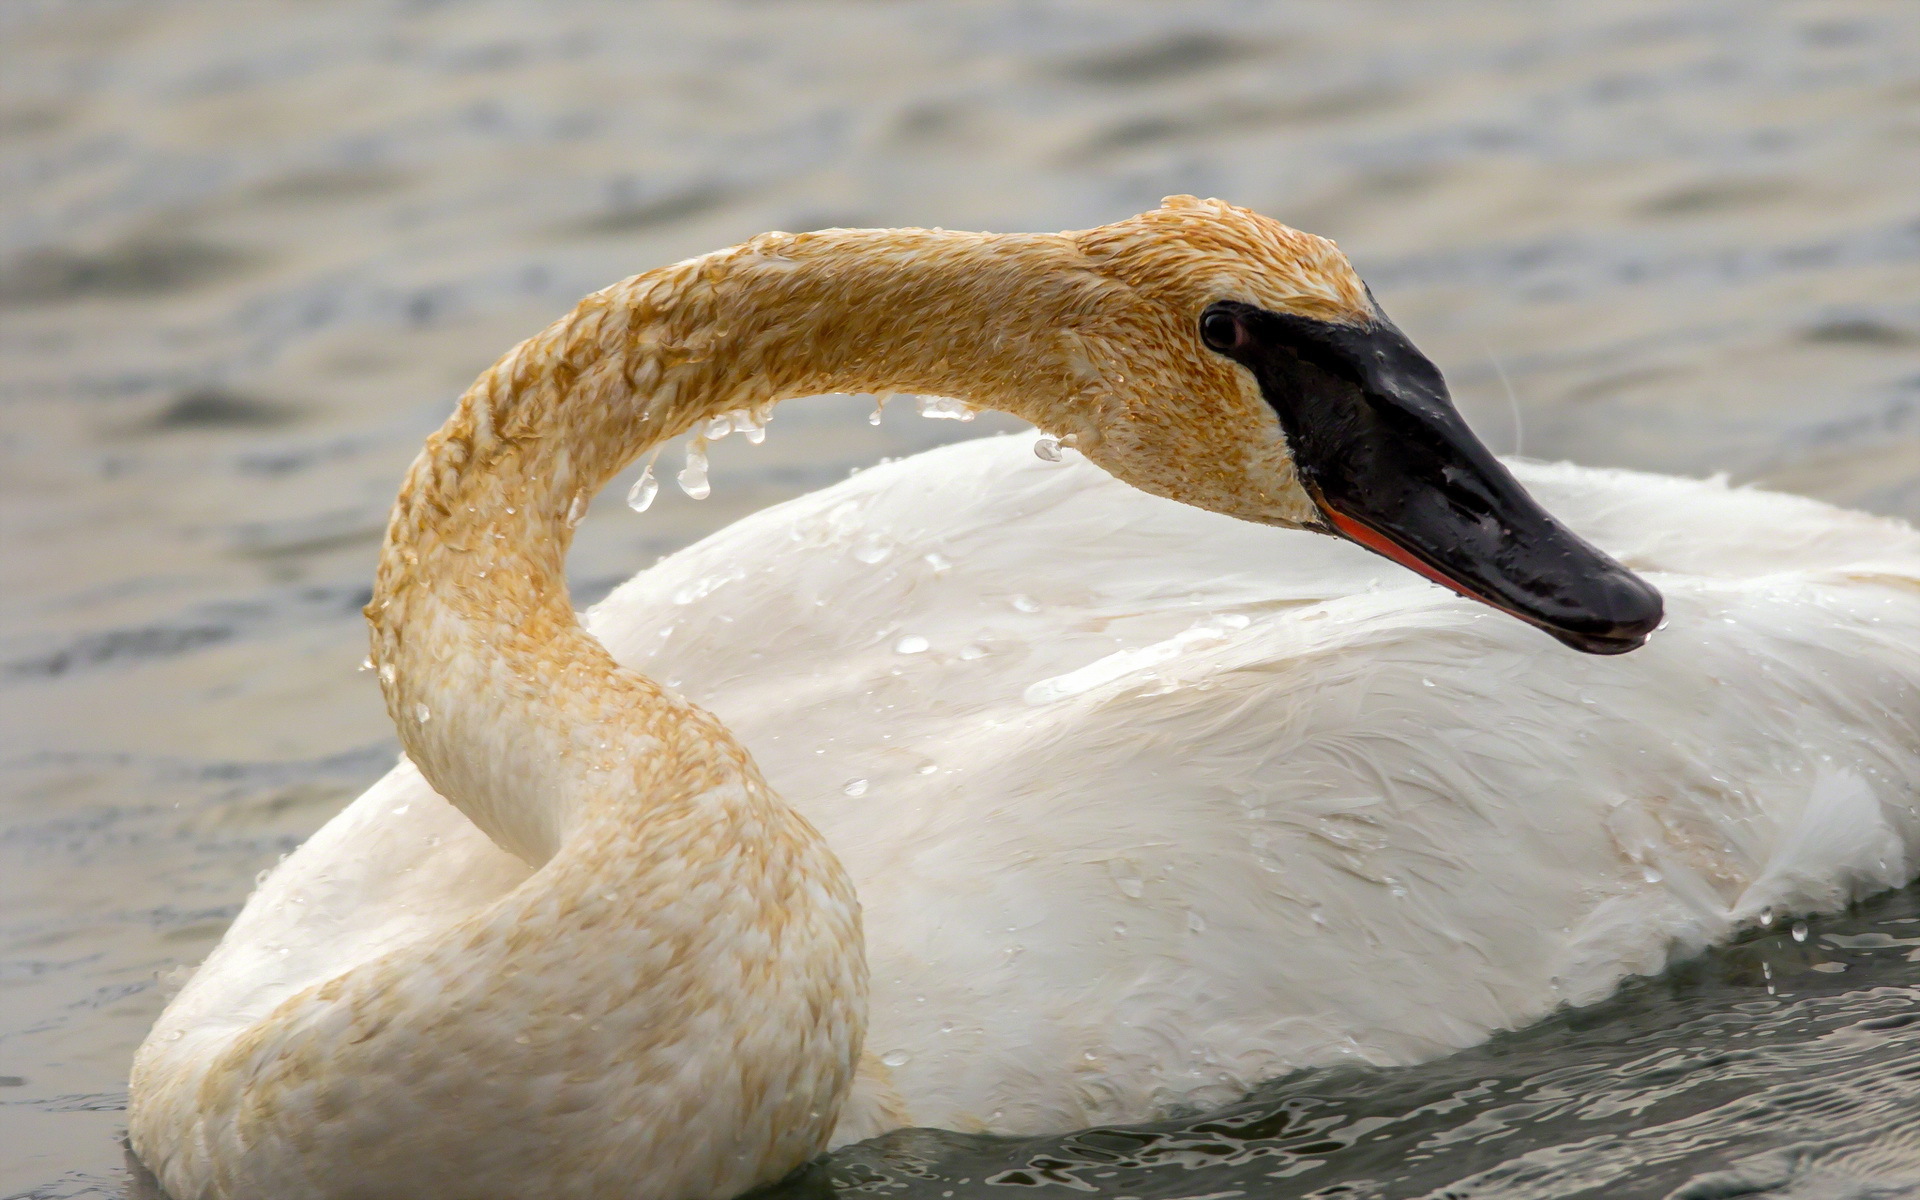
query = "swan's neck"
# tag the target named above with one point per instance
(510, 709)
(657, 840)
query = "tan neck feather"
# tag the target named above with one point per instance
(508, 707)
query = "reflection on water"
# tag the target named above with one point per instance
(249, 254)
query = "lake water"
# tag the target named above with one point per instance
(249, 253)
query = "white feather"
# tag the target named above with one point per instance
(1170, 804)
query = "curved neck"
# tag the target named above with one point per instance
(508, 707)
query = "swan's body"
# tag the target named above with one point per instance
(1153, 804)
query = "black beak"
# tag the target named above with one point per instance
(1391, 464)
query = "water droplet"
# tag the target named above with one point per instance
(576, 509)
(386, 673)
(1766, 918)
(1650, 873)
(939, 562)
(945, 408)
(972, 652)
(911, 644)
(1026, 604)
(873, 549)
(366, 664)
(422, 714)
(927, 768)
(855, 787)
(717, 428)
(879, 407)
(1119, 929)
(1196, 922)
(693, 477)
(640, 495)
(1047, 448)
(751, 424)
(1799, 931)
(896, 1058)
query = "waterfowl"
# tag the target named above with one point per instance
(994, 793)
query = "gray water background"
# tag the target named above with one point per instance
(250, 252)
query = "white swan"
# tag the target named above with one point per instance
(1143, 804)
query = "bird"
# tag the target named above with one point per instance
(1257, 717)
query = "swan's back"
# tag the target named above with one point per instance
(1145, 803)
(1152, 799)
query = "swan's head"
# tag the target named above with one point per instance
(1246, 369)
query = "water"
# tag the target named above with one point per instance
(249, 255)
(1772, 1067)
(645, 488)
(945, 408)
(693, 477)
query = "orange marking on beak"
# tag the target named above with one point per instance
(1381, 544)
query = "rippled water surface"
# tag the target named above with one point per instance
(249, 253)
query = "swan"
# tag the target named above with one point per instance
(1003, 794)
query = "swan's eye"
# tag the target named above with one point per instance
(1221, 330)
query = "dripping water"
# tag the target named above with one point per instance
(693, 476)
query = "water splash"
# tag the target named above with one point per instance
(693, 476)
